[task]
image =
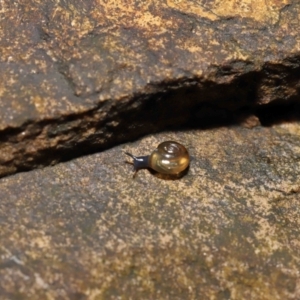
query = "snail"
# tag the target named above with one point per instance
(168, 158)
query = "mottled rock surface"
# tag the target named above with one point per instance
(228, 229)
(80, 76)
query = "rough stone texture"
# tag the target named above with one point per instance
(79, 76)
(228, 229)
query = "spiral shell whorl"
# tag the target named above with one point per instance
(169, 158)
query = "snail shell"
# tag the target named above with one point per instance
(168, 158)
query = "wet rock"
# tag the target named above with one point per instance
(81, 76)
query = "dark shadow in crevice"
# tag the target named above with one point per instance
(137, 123)
(279, 112)
(191, 104)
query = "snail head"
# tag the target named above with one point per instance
(139, 162)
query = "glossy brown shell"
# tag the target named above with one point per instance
(169, 158)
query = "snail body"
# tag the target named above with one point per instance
(168, 158)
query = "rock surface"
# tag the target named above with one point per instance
(228, 229)
(80, 76)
